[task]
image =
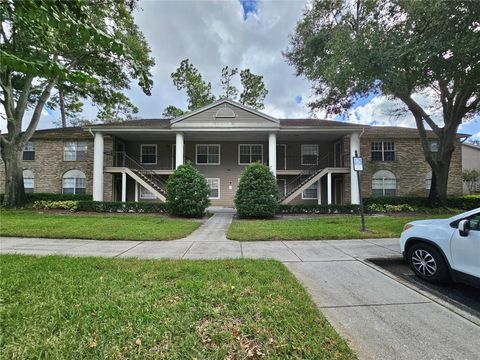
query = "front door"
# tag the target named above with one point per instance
(466, 249)
(281, 157)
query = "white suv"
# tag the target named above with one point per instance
(443, 249)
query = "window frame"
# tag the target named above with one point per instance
(26, 150)
(208, 153)
(141, 154)
(250, 145)
(75, 178)
(75, 150)
(218, 189)
(310, 198)
(302, 154)
(149, 197)
(383, 150)
(383, 184)
(30, 178)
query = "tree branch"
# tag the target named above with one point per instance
(23, 99)
(417, 109)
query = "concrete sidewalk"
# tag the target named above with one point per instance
(379, 316)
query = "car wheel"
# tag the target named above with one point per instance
(428, 263)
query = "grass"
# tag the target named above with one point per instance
(322, 227)
(94, 308)
(30, 223)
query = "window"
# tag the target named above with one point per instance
(148, 154)
(74, 150)
(214, 185)
(249, 153)
(208, 154)
(433, 144)
(428, 182)
(74, 182)
(384, 183)
(309, 154)
(311, 192)
(145, 194)
(383, 151)
(28, 181)
(474, 222)
(29, 151)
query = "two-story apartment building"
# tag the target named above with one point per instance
(311, 158)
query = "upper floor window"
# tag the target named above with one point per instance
(311, 192)
(384, 183)
(249, 153)
(383, 151)
(309, 154)
(214, 185)
(208, 154)
(28, 181)
(148, 154)
(29, 151)
(74, 182)
(74, 150)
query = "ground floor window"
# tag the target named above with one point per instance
(311, 192)
(214, 185)
(74, 182)
(145, 193)
(384, 183)
(28, 181)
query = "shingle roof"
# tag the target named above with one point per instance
(61, 133)
(398, 132)
(317, 123)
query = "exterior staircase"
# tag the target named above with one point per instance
(143, 176)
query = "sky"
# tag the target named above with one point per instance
(245, 34)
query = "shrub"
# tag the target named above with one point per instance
(318, 209)
(32, 197)
(257, 193)
(102, 206)
(421, 203)
(187, 192)
(46, 204)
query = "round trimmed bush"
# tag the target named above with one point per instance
(257, 194)
(187, 192)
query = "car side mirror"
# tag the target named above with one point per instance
(463, 227)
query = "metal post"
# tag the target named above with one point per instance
(362, 215)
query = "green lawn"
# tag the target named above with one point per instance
(94, 308)
(322, 227)
(30, 223)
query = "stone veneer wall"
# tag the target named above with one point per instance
(49, 166)
(409, 167)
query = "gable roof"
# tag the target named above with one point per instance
(225, 101)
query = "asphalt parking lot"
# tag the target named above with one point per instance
(462, 296)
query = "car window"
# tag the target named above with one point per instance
(474, 222)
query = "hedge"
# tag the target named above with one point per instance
(318, 209)
(103, 206)
(32, 197)
(467, 202)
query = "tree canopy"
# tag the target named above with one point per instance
(396, 48)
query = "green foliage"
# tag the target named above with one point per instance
(318, 209)
(102, 206)
(257, 193)
(172, 111)
(32, 197)
(419, 204)
(187, 192)
(65, 205)
(471, 177)
(230, 91)
(254, 90)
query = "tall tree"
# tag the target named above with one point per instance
(254, 90)
(92, 48)
(187, 77)
(172, 111)
(396, 48)
(229, 91)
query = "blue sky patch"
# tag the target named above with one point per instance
(249, 7)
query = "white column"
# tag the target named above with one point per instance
(98, 167)
(354, 146)
(329, 188)
(124, 186)
(272, 153)
(136, 191)
(319, 191)
(179, 150)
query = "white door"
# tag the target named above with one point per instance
(466, 249)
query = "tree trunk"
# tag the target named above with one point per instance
(62, 109)
(14, 190)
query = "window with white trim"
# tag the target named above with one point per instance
(207, 154)
(148, 154)
(74, 150)
(214, 185)
(428, 181)
(384, 183)
(29, 151)
(74, 182)
(311, 192)
(145, 193)
(28, 181)
(383, 151)
(309, 154)
(250, 153)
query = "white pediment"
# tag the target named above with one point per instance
(225, 114)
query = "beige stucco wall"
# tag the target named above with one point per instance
(470, 157)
